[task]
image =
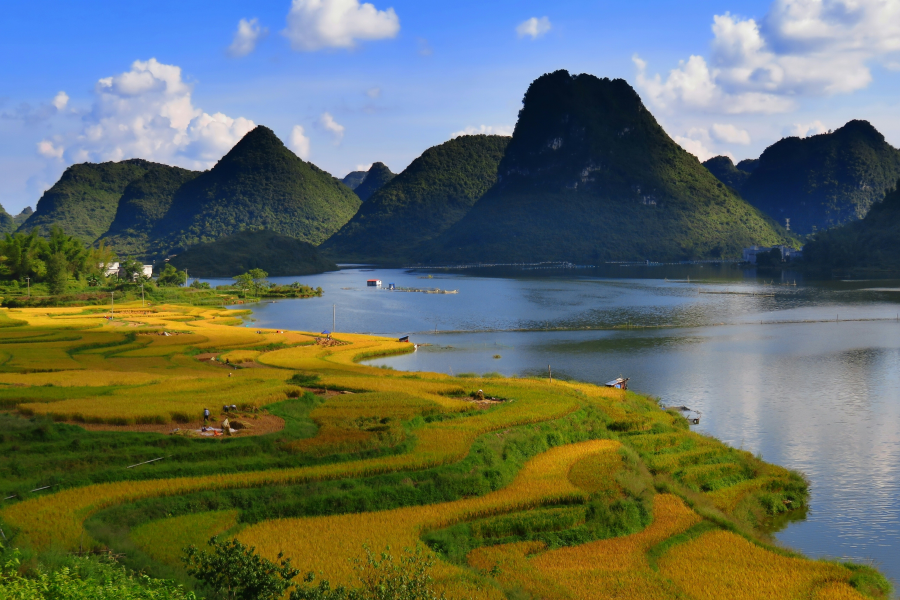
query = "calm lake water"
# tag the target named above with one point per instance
(821, 397)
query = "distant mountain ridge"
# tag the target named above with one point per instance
(590, 176)
(376, 178)
(818, 181)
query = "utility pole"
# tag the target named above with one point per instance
(28, 282)
(142, 295)
(112, 305)
(333, 313)
(551, 373)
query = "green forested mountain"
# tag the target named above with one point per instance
(85, 199)
(376, 178)
(258, 184)
(725, 171)
(871, 243)
(429, 196)
(591, 176)
(819, 181)
(278, 255)
(353, 179)
(142, 207)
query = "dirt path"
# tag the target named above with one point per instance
(260, 425)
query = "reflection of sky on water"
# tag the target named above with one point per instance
(820, 398)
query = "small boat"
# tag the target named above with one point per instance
(618, 383)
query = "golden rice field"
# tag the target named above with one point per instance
(74, 365)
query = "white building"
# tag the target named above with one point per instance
(116, 269)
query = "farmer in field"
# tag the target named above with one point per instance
(206, 416)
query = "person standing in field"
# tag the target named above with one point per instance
(206, 416)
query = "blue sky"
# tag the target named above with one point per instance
(346, 83)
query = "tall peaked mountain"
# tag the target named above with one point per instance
(23, 216)
(376, 178)
(431, 194)
(819, 181)
(870, 243)
(85, 199)
(588, 176)
(142, 207)
(259, 184)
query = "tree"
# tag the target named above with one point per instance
(57, 273)
(235, 571)
(133, 271)
(171, 276)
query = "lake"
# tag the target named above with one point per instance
(804, 373)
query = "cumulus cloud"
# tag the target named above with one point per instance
(505, 130)
(317, 24)
(695, 147)
(299, 142)
(60, 100)
(800, 48)
(248, 34)
(729, 134)
(48, 149)
(364, 167)
(147, 112)
(533, 27)
(807, 129)
(332, 126)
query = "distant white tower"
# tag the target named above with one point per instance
(787, 224)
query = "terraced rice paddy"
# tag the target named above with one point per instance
(562, 490)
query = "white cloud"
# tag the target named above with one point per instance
(60, 100)
(807, 129)
(363, 167)
(316, 24)
(729, 134)
(48, 149)
(332, 126)
(505, 130)
(248, 34)
(299, 142)
(533, 27)
(374, 92)
(695, 147)
(800, 48)
(147, 112)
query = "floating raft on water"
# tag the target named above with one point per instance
(741, 293)
(421, 290)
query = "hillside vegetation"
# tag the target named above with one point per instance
(872, 243)
(435, 191)
(552, 489)
(142, 208)
(819, 181)
(590, 176)
(85, 199)
(278, 255)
